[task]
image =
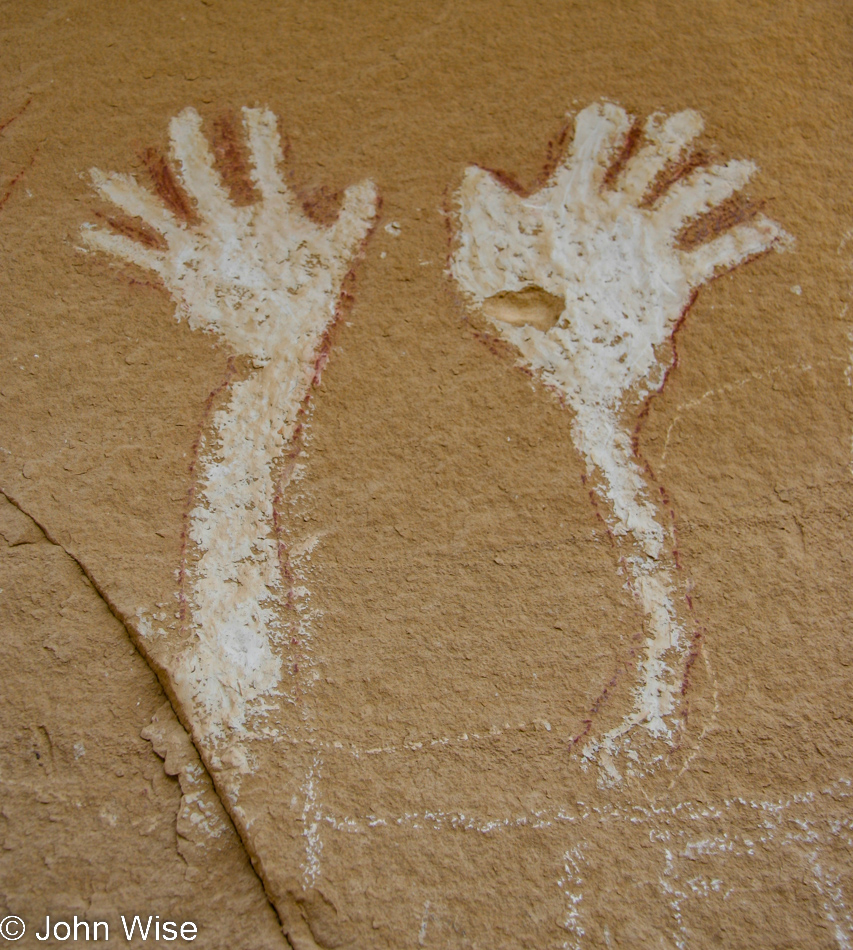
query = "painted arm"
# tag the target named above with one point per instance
(268, 280)
(618, 241)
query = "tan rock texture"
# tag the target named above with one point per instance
(424, 787)
(92, 824)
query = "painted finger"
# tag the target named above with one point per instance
(481, 192)
(485, 208)
(486, 205)
(666, 138)
(732, 248)
(600, 131)
(126, 193)
(196, 164)
(358, 211)
(119, 246)
(699, 192)
(265, 145)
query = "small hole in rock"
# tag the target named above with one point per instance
(532, 307)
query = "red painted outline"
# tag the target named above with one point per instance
(343, 306)
(230, 372)
(316, 206)
(10, 187)
(695, 234)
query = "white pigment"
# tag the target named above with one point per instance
(614, 262)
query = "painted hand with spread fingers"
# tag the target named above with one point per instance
(262, 275)
(587, 278)
(269, 280)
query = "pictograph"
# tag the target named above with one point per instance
(267, 279)
(589, 278)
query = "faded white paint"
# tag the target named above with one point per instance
(613, 262)
(267, 279)
(848, 372)
(422, 932)
(571, 884)
(699, 848)
(312, 815)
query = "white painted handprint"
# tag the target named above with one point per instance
(269, 280)
(587, 278)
